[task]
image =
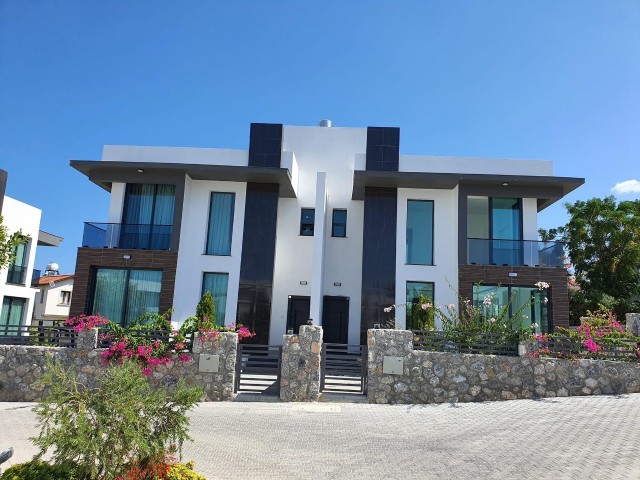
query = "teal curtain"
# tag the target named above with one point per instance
(419, 232)
(148, 216)
(220, 223)
(216, 284)
(20, 251)
(163, 217)
(12, 314)
(143, 294)
(109, 293)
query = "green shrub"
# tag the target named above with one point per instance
(39, 470)
(206, 308)
(104, 429)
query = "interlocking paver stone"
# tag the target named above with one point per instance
(572, 438)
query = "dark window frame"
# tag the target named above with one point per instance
(233, 215)
(335, 224)
(304, 225)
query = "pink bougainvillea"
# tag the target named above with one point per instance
(84, 322)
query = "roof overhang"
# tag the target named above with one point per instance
(546, 189)
(104, 173)
(48, 239)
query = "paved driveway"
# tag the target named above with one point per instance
(577, 438)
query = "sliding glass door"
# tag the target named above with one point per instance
(147, 220)
(494, 231)
(12, 315)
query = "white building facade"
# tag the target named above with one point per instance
(321, 223)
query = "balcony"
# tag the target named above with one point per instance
(16, 274)
(524, 253)
(119, 235)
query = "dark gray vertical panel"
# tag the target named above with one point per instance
(265, 145)
(378, 256)
(256, 264)
(3, 186)
(383, 148)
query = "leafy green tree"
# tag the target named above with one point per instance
(206, 308)
(9, 243)
(105, 430)
(602, 238)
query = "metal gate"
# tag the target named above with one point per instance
(258, 369)
(344, 368)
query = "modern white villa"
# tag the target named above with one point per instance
(323, 223)
(16, 293)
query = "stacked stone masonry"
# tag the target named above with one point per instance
(300, 368)
(435, 377)
(21, 367)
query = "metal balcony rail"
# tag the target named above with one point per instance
(523, 253)
(564, 346)
(130, 236)
(58, 336)
(106, 337)
(466, 342)
(16, 274)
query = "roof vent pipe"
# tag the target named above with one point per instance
(325, 123)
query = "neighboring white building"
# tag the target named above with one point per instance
(326, 223)
(53, 299)
(16, 293)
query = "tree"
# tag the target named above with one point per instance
(9, 243)
(206, 308)
(602, 239)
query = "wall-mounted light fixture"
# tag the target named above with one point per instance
(505, 184)
(141, 170)
(127, 257)
(303, 282)
(513, 274)
(337, 284)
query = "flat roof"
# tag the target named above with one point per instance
(104, 173)
(547, 189)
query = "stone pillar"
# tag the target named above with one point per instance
(300, 369)
(87, 339)
(391, 350)
(218, 385)
(633, 324)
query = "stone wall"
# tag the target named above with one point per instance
(300, 369)
(436, 377)
(633, 323)
(21, 367)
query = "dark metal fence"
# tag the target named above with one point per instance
(567, 347)
(16, 274)
(106, 337)
(465, 342)
(344, 368)
(37, 336)
(258, 369)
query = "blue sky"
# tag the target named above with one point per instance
(554, 80)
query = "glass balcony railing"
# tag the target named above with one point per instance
(120, 235)
(16, 274)
(531, 253)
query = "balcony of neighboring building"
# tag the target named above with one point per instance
(127, 236)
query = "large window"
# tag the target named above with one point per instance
(220, 223)
(217, 284)
(339, 223)
(123, 295)
(420, 232)
(17, 271)
(11, 315)
(147, 219)
(307, 222)
(529, 303)
(494, 231)
(416, 291)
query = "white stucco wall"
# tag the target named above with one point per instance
(490, 166)
(192, 261)
(444, 272)
(204, 156)
(21, 216)
(334, 151)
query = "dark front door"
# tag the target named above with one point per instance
(298, 312)
(335, 319)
